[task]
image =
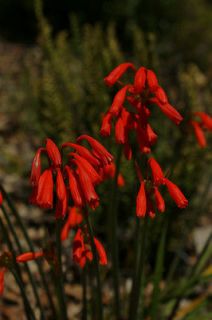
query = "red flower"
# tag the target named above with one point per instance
(85, 153)
(106, 125)
(53, 153)
(170, 112)
(206, 119)
(61, 207)
(98, 150)
(151, 135)
(81, 252)
(120, 131)
(176, 194)
(199, 134)
(161, 95)
(2, 273)
(1, 198)
(114, 75)
(95, 177)
(36, 167)
(152, 80)
(160, 204)
(44, 196)
(87, 188)
(141, 202)
(118, 101)
(157, 173)
(74, 219)
(140, 80)
(101, 252)
(60, 185)
(74, 187)
(28, 256)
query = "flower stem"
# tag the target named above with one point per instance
(138, 283)
(19, 246)
(112, 234)
(158, 270)
(59, 274)
(84, 287)
(30, 245)
(96, 265)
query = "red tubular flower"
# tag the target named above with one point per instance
(61, 207)
(169, 111)
(206, 119)
(141, 202)
(106, 125)
(118, 101)
(161, 95)
(157, 173)
(53, 153)
(140, 80)
(1, 198)
(199, 134)
(81, 252)
(152, 136)
(74, 219)
(74, 187)
(114, 75)
(95, 177)
(84, 152)
(36, 167)
(45, 190)
(120, 131)
(28, 256)
(152, 80)
(87, 188)
(160, 203)
(101, 252)
(98, 150)
(2, 273)
(176, 194)
(60, 185)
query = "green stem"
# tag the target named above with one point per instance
(159, 271)
(59, 274)
(97, 271)
(30, 245)
(30, 315)
(28, 310)
(84, 285)
(13, 232)
(112, 235)
(136, 301)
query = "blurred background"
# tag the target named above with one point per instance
(53, 58)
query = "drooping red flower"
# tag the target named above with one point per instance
(1, 198)
(176, 194)
(97, 149)
(141, 201)
(160, 203)
(140, 80)
(44, 196)
(53, 153)
(168, 110)
(2, 273)
(118, 101)
(116, 73)
(81, 251)
(60, 185)
(157, 173)
(199, 134)
(206, 119)
(106, 125)
(101, 252)
(36, 167)
(28, 256)
(74, 187)
(61, 207)
(152, 80)
(74, 219)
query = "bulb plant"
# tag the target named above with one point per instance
(64, 182)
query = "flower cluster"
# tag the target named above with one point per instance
(149, 192)
(203, 123)
(74, 180)
(131, 108)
